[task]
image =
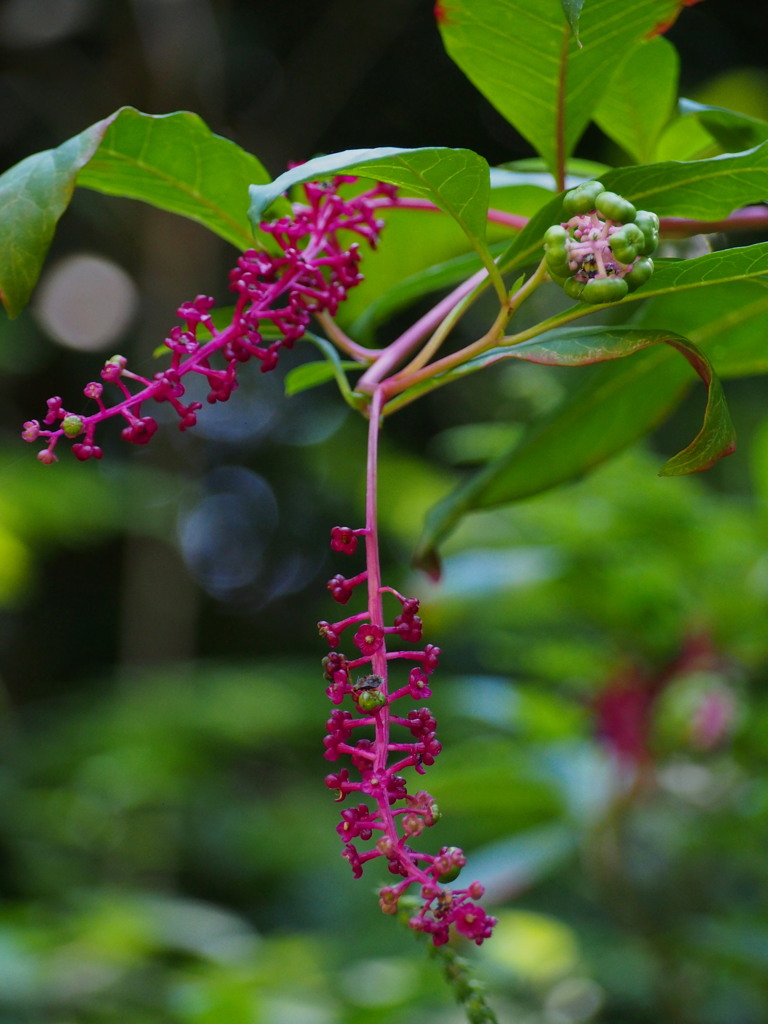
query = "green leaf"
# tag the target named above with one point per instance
(33, 196)
(721, 267)
(455, 180)
(706, 189)
(731, 130)
(398, 272)
(311, 375)
(580, 346)
(640, 99)
(523, 59)
(172, 161)
(406, 291)
(729, 320)
(613, 406)
(175, 162)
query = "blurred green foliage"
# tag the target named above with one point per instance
(169, 848)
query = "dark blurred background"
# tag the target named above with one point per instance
(168, 847)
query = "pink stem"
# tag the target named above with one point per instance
(399, 349)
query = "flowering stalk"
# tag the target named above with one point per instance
(311, 275)
(277, 294)
(393, 815)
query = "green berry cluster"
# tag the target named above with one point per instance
(602, 250)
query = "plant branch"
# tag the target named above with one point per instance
(400, 383)
(397, 351)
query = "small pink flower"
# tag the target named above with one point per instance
(369, 639)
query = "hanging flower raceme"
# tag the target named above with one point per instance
(277, 294)
(390, 817)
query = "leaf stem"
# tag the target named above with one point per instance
(343, 341)
(400, 383)
(399, 349)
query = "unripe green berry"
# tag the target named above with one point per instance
(452, 873)
(615, 207)
(556, 236)
(557, 264)
(640, 273)
(627, 242)
(371, 700)
(556, 250)
(604, 289)
(648, 223)
(72, 425)
(573, 288)
(582, 198)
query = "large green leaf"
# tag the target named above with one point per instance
(581, 346)
(455, 180)
(33, 195)
(706, 189)
(641, 98)
(524, 59)
(175, 162)
(172, 161)
(614, 405)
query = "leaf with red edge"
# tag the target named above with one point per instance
(580, 346)
(614, 407)
(523, 58)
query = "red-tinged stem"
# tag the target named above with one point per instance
(560, 154)
(375, 607)
(373, 564)
(400, 347)
(748, 219)
(509, 220)
(751, 218)
(342, 340)
(409, 377)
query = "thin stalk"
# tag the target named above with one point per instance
(343, 341)
(396, 385)
(379, 661)
(509, 220)
(400, 347)
(373, 564)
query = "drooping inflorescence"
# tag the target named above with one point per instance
(602, 250)
(391, 817)
(277, 294)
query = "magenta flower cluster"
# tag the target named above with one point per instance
(277, 294)
(388, 815)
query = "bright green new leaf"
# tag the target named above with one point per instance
(640, 98)
(524, 59)
(172, 161)
(421, 252)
